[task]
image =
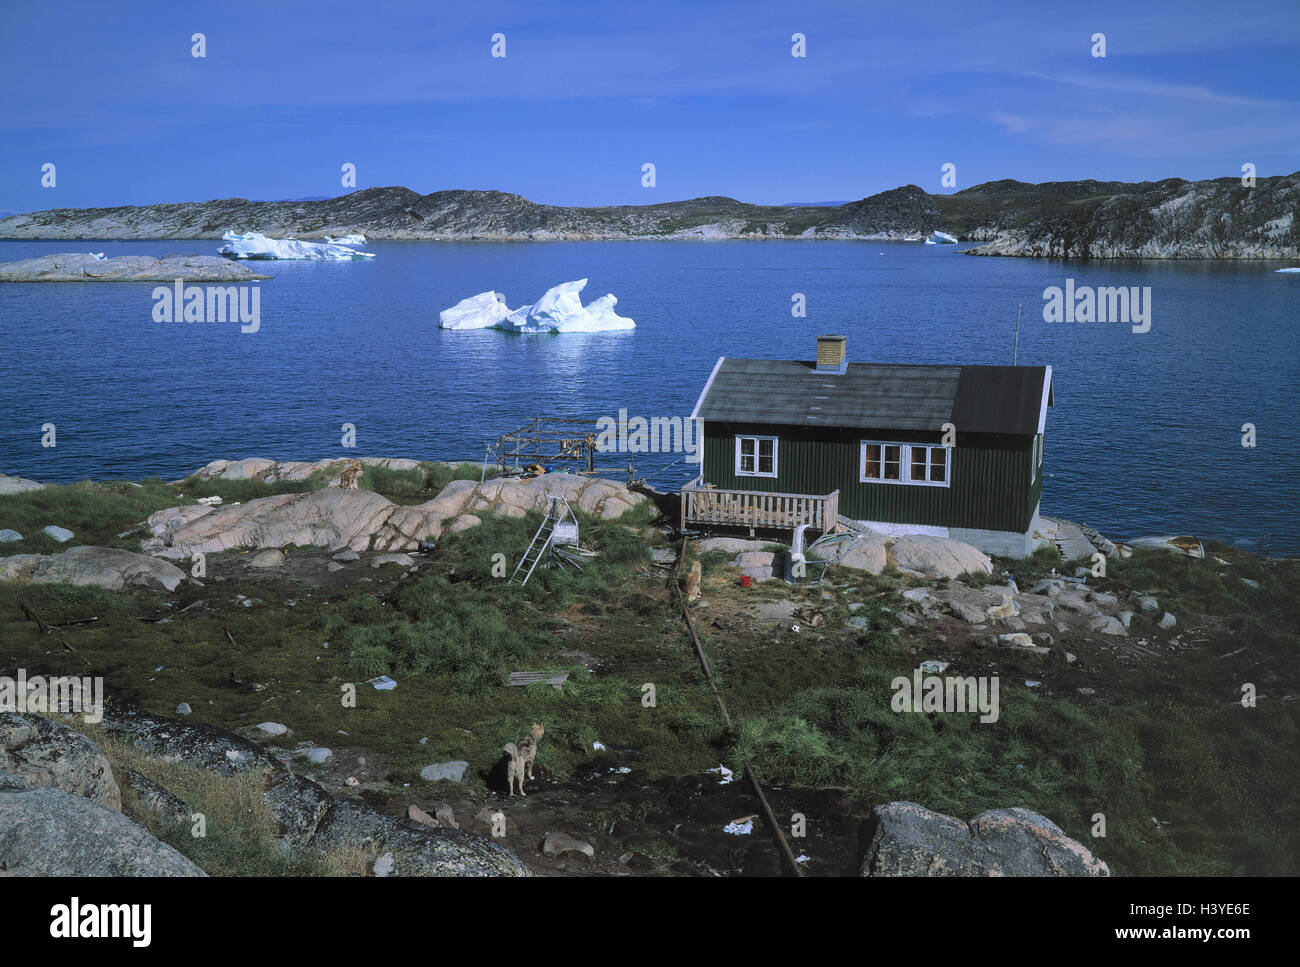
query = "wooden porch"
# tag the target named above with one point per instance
(714, 507)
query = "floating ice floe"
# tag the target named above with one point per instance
(255, 245)
(940, 238)
(1287, 270)
(482, 311)
(559, 310)
(356, 238)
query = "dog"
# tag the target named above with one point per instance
(348, 479)
(693, 581)
(1004, 610)
(522, 756)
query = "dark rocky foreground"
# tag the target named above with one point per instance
(61, 807)
(1167, 219)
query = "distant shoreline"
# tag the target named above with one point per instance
(1171, 219)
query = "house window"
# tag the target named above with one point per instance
(907, 463)
(756, 456)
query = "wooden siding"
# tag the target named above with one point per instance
(990, 475)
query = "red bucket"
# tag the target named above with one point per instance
(744, 580)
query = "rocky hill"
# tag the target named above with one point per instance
(1165, 219)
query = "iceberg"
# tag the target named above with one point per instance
(940, 238)
(255, 245)
(559, 310)
(1286, 270)
(482, 311)
(356, 238)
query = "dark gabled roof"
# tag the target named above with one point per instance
(882, 396)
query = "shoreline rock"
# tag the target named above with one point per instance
(80, 267)
(362, 520)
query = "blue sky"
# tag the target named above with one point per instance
(588, 92)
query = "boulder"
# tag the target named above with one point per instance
(449, 771)
(938, 556)
(60, 534)
(17, 485)
(153, 798)
(46, 753)
(758, 565)
(329, 517)
(731, 545)
(104, 567)
(1167, 621)
(909, 840)
(298, 805)
(267, 559)
(8, 536)
(1107, 625)
(403, 560)
(963, 610)
(48, 832)
(417, 850)
(556, 843)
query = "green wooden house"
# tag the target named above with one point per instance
(955, 451)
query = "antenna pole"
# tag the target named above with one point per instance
(1015, 351)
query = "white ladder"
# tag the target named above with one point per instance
(557, 511)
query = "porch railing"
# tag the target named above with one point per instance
(717, 507)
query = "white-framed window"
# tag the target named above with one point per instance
(923, 464)
(756, 456)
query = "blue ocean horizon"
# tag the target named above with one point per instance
(1145, 436)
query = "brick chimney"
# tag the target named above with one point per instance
(831, 357)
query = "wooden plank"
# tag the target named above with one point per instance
(524, 679)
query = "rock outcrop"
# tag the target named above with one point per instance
(42, 752)
(79, 267)
(104, 567)
(17, 485)
(363, 520)
(416, 849)
(918, 555)
(274, 471)
(910, 840)
(307, 815)
(45, 831)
